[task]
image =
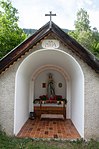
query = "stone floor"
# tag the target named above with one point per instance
(49, 128)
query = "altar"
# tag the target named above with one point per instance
(54, 107)
(50, 103)
(50, 110)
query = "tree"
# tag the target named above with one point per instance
(82, 23)
(83, 33)
(10, 34)
(95, 42)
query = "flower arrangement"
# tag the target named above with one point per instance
(44, 99)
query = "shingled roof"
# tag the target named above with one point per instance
(24, 47)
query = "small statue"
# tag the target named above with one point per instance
(50, 87)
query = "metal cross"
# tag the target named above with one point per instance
(50, 17)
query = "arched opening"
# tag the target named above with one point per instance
(75, 85)
(41, 75)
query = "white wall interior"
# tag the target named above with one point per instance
(41, 75)
(52, 57)
(22, 104)
(77, 101)
(43, 78)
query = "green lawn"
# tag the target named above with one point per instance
(16, 143)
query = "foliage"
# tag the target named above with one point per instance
(82, 22)
(83, 33)
(10, 34)
(26, 143)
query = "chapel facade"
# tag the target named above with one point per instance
(24, 74)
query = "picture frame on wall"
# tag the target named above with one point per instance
(59, 84)
(43, 85)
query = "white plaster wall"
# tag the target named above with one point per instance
(7, 97)
(77, 108)
(31, 96)
(91, 104)
(7, 87)
(91, 97)
(21, 102)
(41, 58)
(43, 78)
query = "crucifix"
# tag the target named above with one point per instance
(50, 17)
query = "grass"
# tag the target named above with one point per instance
(16, 143)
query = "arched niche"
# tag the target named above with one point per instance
(75, 87)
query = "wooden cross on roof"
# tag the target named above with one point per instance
(50, 17)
